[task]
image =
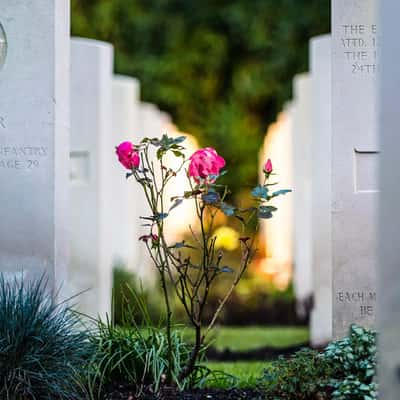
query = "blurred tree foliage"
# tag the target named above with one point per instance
(222, 68)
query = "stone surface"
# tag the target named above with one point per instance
(34, 129)
(320, 64)
(302, 142)
(389, 216)
(92, 155)
(3, 46)
(124, 210)
(354, 164)
(154, 122)
(277, 232)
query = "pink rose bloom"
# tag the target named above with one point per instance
(205, 164)
(128, 156)
(268, 166)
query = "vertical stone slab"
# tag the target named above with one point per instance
(389, 199)
(153, 121)
(277, 232)
(354, 164)
(34, 128)
(92, 155)
(125, 210)
(321, 316)
(302, 141)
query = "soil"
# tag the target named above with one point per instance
(126, 393)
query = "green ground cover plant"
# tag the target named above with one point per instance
(355, 359)
(344, 370)
(304, 376)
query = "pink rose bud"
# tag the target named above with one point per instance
(268, 166)
(205, 164)
(128, 156)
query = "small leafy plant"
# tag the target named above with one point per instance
(304, 376)
(344, 370)
(191, 269)
(354, 358)
(43, 352)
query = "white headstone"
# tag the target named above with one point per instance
(321, 316)
(126, 193)
(277, 232)
(354, 164)
(389, 215)
(92, 155)
(34, 129)
(154, 122)
(302, 141)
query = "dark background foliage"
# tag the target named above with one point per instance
(222, 69)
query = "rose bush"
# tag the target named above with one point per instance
(189, 270)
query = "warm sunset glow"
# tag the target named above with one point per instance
(279, 274)
(277, 232)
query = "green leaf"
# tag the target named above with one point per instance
(179, 139)
(227, 209)
(156, 217)
(226, 269)
(160, 153)
(210, 197)
(181, 245)
(281, 192)
(265, 212)
(161, 216)
(178, 153)
(177, 203)
(260, 191)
